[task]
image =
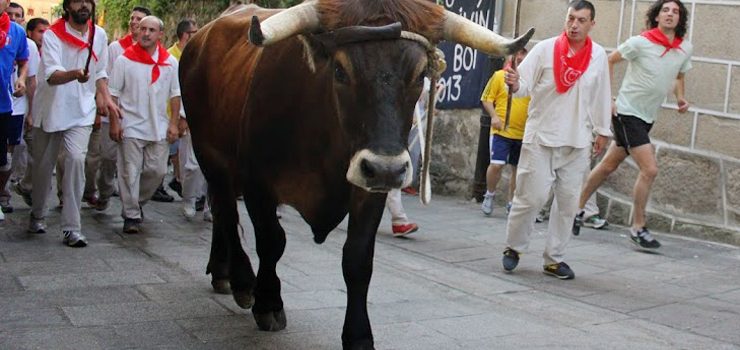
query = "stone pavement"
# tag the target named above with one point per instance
(441, 288)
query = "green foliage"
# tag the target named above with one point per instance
(117, 12)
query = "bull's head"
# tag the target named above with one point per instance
(378, 75)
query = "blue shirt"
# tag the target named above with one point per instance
(16, 49)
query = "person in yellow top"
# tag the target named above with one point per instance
(505, 143)
(186, 28)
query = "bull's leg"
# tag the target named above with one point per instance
(270, 240)
(228, 264)
(357, 265)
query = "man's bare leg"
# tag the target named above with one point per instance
(644, 156)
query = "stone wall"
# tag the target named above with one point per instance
(697, 192)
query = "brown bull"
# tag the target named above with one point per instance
(313, 116)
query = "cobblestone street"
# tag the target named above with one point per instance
(441, 288)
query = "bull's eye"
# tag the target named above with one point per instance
(339, 74)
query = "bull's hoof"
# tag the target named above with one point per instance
(245, 299)
(359, 345)
(221, 286)
(271, 321)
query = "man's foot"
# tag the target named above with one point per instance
(402, 230)
(91, 200)
(102, 204)
(595, 221)
(508, 208)
(560, 270)
(207, 216)
(5, 205)
(200, 203)
(410, 190)
(176, 186)
(74, 239)
(539, 218)
(2, 216)
(487, 206)
(161, 195)
(36, 225)
(26, 195)
(510, 259)
(643, 238)
(577, 223)
(131, 225)
(188, 211)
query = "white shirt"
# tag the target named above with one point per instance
(65, 106)
(568, 119)
(20, 104)
(144, 105)
(649, 77)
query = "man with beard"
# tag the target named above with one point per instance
(13, 51)
(64, 111)
(144, 83)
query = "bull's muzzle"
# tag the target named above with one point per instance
(380, 173)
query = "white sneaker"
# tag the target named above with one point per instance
(207, 216)
(74, 239)
(487, 206)
(2, 216)
(188, 211)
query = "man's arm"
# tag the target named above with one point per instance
(173, 130)
(614, 58)
(104, 101)
(683, 104)
(30, 91)
(115, 131)
(20, 84)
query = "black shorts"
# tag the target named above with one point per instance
(11, 128)
(630, 131)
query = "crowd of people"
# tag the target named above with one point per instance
(109, 118)
(105, 117)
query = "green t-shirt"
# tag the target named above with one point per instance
(649, 77)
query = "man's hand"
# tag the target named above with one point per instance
(81, 76)
(600, 143)
(182, 126)
(20, 88)
(96, 123)
(496, 123)
(29, 122)
(172, 132)
(115, 131)
(112, 110)
(512, 79)
(683, 105)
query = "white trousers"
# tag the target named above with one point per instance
(141, 168)
(540, 170)
(106, 179)
(72, 145)
(92, 162)
(193, 183)
(395, 207)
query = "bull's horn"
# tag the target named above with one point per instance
(295, 20)
(461, 30)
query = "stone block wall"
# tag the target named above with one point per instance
(697, 192)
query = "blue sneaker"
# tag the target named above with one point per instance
(510, 259)
(560, 270)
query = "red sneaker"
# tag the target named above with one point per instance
(402, 230)
(410, 191)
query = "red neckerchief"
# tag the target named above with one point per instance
(60, 29)
(4, 28)
(126, 41)
(566, 69)
(657, 37)
(137, 53)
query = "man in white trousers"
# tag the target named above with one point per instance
(568, 79)
(144, 83)
(64, 112)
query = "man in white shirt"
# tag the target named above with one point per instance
(144, 82)
(568, 80)
(64, 112)
(658, 59)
